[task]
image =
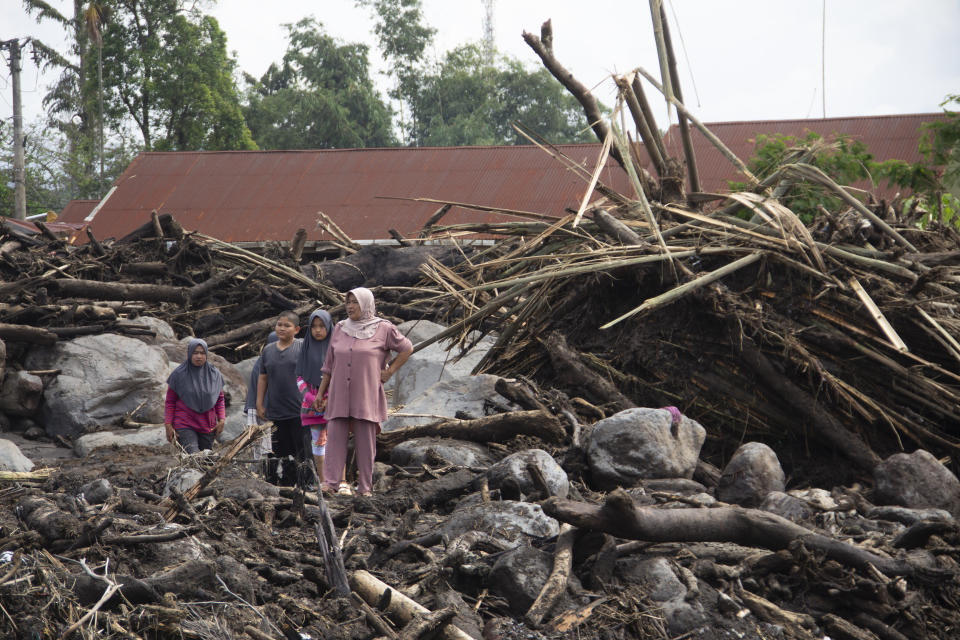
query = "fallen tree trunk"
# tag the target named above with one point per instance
(566, 360)
(96, 290)
(620, 516)
(261, 325)
(24, 333)
(543, 47)
(495, 428)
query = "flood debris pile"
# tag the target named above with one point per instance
(844, 333)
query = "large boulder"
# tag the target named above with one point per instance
(752, 473)
(473, 396)
(12, 459)
(638, 444)
(20, 394)
(916, 480)
(513, 472)
(440, 451)
(435, 363)
(102, 378)
(506, 520)
(144, 436)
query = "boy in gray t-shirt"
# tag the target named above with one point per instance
(278, 398)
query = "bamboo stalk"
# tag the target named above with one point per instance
(953, 347)
(810, 172)
(601, 163)
(674, 76)
(878, 316)
(714, 140)
(678, 292)
(643, 128)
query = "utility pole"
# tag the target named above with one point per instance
(19, 173)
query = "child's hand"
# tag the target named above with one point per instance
(261, 412)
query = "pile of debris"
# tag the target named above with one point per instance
(654, 360)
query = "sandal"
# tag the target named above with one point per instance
(345, 489)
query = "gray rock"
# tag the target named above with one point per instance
(12, 459)
(506, 520)
(752, 473)
(4, 422)
(21, 393)
(786, 506)
(103, 378)
(641, 443)
(164, 332)
(97, 491)
(181, 479)
(152, 436)
(513, 471)
(916, 480)
(439, 451)
(35, 432)
(473, 395)
(661, 584)
(248, 489)
(519, 575)
(433, 363)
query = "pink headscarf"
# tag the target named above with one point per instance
(366, 326)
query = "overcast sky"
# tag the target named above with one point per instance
(739, 59)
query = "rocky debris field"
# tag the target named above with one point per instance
(645, 419)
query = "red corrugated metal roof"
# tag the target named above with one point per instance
(268, 195)
(77, 210)
(886, 137)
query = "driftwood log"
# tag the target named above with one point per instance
(496, 428)
(622, 517)
(398, 606)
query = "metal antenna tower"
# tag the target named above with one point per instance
(489, 45)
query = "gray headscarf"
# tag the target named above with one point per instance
(314, 352)
(198, 387)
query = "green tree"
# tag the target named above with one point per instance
(167, 68)
(72, 101)
(320, 97)
(465, 101)
(403, 37)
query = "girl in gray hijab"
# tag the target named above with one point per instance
(195, 410)
(309, 374)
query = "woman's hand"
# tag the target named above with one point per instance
(171, 435)
(217, 430)
(385, 375)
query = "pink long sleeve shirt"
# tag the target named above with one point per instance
(183, 417)
(354, 366)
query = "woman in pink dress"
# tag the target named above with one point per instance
(351, 390)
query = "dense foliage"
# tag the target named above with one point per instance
(319, 97)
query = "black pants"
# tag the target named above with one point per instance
(291, 447)
(194, 441)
